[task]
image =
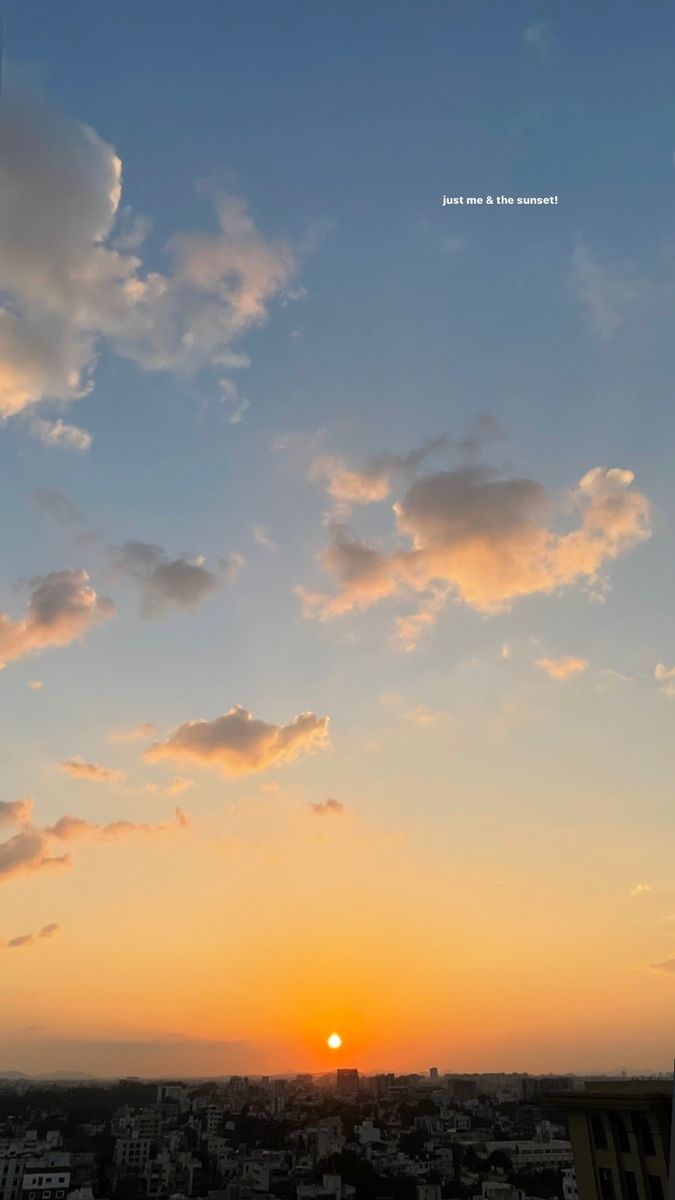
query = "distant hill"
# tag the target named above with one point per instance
(51, 1077)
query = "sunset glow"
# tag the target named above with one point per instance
(337, 660)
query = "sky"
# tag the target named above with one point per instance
(338, 681)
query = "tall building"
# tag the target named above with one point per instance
(347, 1083)
(622, 1139)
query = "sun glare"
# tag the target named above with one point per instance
(335, 1041)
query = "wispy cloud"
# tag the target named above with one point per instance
(564, 667)
(328, 808)
(36, 848)
(608, 292)
(79, 768)
(139, 733)
(30, 939)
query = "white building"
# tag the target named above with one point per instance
(46, 1179)
(570, 1187)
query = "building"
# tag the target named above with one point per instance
(11, 1175)
(347, 1083)
(132, 1155)
(46, 1179)
(621, 1135)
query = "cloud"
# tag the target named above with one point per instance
(452, 243)
(58, 505)
(348, 487)
(78, 768)
(183, 582)
(29, 939)
(72, 275)
(50, 930)
(668, 966)
(238, 743)
(180, 784)
(33, 848)
(665, 676)
(61, 608)
(68, 829)
(28, 851)
(609, 293)
(328, 807)
(640, 889)
(262, 537)
(537, 37)
(139, 733)
(35, 685)
(564, 667)
(57, 433)
(484, 540)
(15, 812)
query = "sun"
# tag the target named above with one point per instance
(334, 1041)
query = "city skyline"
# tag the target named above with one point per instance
(336, 647)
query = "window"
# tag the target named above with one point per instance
(599, 1132)
(655, 1187)
(621, 1139)
(606, 1183)
(631, 1186)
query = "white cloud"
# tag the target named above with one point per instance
(71, 283)
(57, 433)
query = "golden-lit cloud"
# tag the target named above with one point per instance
(665, 677)
(28, 851)
(564, 667)
(33, 848)
(485, 541)
(348, 487)
(68, 829)
(62, 607)
(79, 768)
(72, 274)
(16, 812)
(239, 743)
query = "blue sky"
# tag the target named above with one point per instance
(342, 126)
